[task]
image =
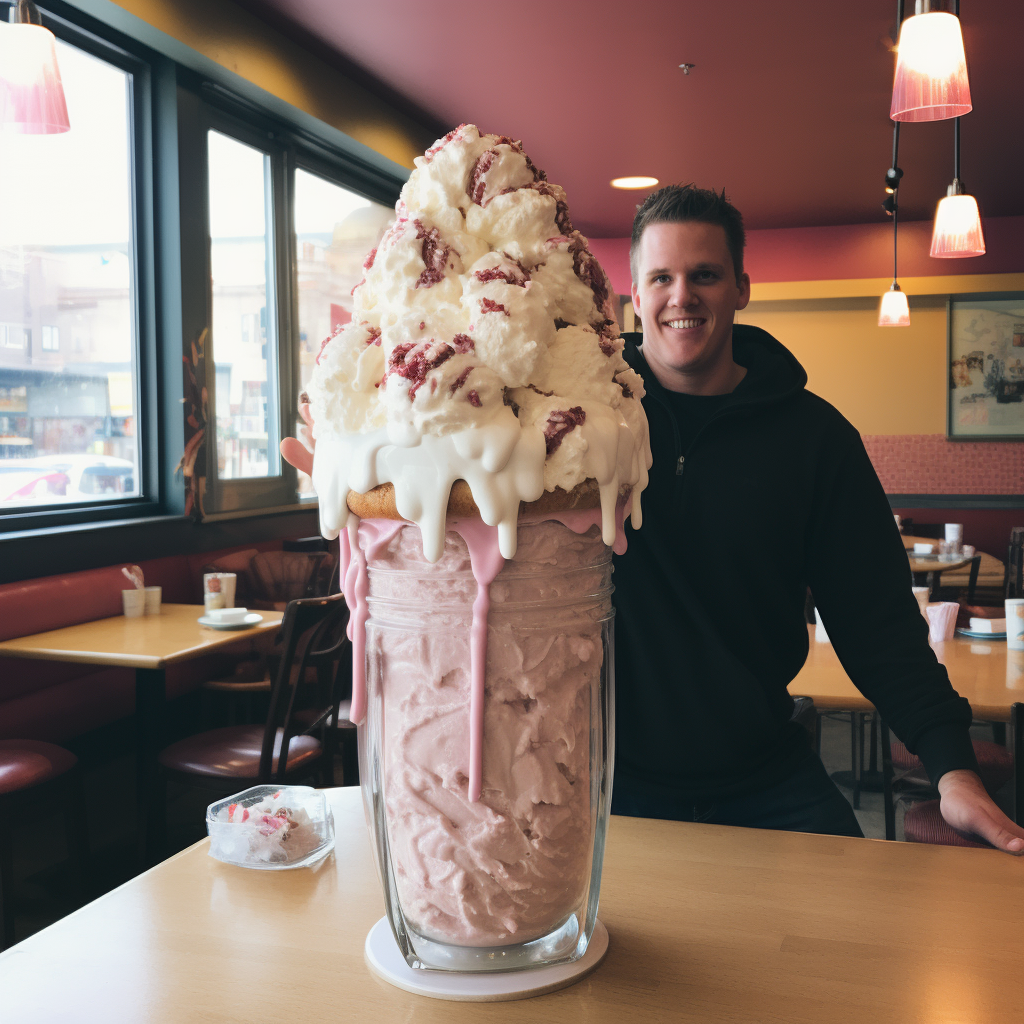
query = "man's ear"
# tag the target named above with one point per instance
(744, 286)
(635, 296)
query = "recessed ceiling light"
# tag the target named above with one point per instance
(638, 181)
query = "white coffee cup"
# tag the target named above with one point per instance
(1015, 623)
(955, 532)
(152, 599)
(134, 603)
(219, 590)
(924, 549)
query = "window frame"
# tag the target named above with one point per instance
(138, 64)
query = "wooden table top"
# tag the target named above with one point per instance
(934, 565)
(707, 923)
(151, 641)
(984, 671)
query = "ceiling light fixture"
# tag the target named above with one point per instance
(31, 95)
(637, 181)
(957, 231)
(686, 68)
(894, 310)
(931, 67)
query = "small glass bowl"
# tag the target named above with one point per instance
(304, 836)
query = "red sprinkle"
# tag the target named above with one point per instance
(460, 380)
(374, 338)
(463, 343)
(588, 270)
(514, 274)
(474, 399)
(441, 143)
(435, 255)
(423, 324)
(490, 306)
(371, 256)
(477, 185)
(560, 422)
(412, 361)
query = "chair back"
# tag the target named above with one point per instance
(283, 576)
(314, 644)
(1015, 563)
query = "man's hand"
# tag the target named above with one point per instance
(299, 451)
(967, 807)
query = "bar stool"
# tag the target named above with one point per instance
(32, 771)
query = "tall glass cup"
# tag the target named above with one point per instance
(511, 880)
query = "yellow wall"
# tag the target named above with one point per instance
(235, 39)
(884, 380)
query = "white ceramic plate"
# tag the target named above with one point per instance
(975, 634)
(250, 620)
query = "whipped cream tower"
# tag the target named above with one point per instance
(482, 347)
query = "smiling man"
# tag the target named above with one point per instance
(755, 481)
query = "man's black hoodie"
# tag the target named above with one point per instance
(774, 493)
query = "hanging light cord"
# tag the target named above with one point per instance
(895, 157)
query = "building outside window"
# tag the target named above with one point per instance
(334, 229)
(68, 419)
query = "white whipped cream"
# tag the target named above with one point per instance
(483, 348)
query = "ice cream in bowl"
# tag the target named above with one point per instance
(477, 441)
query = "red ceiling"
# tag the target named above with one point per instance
(787, 108)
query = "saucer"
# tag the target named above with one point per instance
(975, 634)
(250, 620)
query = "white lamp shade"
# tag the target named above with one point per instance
(31, 94)
(957, 229)
(931, 70)
(894, 311)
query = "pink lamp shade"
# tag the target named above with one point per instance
(957, 229)
(895, 311)
(31, 94)
(931, 70)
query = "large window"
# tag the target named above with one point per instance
(69, 365)
(334, 231)
(244, 324)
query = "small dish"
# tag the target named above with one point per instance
(250, 620)
(271, 828)
(976, 634)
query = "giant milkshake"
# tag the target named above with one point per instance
(479, 441)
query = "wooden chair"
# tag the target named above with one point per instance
(33, 773)
(271, 580)
(297, 740)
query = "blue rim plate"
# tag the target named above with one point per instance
(976, 635)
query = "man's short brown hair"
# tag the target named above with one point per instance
(676, 204)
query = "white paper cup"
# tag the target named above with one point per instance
(955, 532)
(820, 635)
(942, 621)
(921, 593)
(1015, 623)
(153, 598)
(134, 603)
(219, 590)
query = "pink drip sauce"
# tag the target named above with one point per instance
(486, 562)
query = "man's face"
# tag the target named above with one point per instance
(686, 294)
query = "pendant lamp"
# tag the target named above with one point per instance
(31, 94)
(957, 231)
(931, 66)
(894, 310)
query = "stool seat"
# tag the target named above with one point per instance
(234, 753)
(923, 823)
(26, 763)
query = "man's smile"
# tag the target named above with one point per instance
(687, 324)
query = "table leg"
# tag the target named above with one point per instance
(150, 702)
(1017, 749)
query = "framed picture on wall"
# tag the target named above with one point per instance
(985, 355)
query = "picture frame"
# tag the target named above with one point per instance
(985, 367)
